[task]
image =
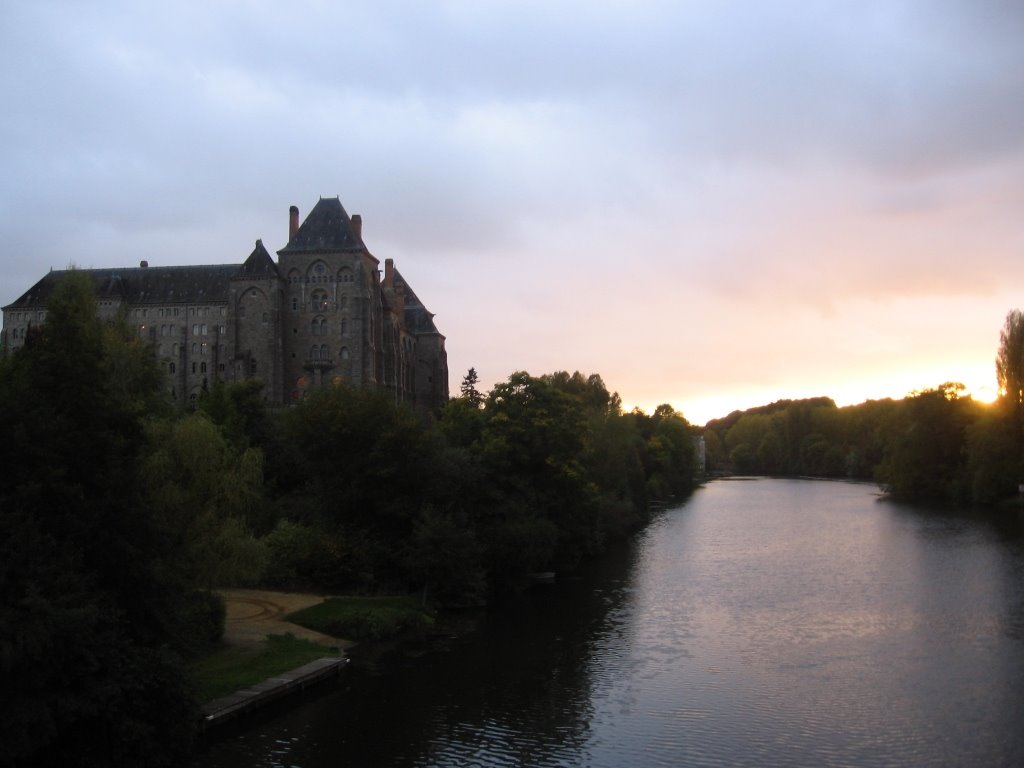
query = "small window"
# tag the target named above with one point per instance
(241, 310)
(171, 368)
(202, 367)
(195, 329)
(252, 366)
(202, 349)
(266, 317)
(203, 329)
(344, 353)
(193, 367)
(295, 304)
(195, 348)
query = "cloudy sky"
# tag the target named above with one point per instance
(711, 204)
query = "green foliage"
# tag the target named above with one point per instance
(445, 556)
(364, 618)
(90, 604)
(468, 391)
(239, 409)
(1010, 359)
(203, 491)
(308, 557)
(924, 459)
(994, 464)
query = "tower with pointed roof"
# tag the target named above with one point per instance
(320, 315)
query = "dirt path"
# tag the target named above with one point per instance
(252, 614)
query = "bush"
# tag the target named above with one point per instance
(302, 557)
(364, 618)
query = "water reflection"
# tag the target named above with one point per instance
(769, 623)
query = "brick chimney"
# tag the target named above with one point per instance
(389, 272)
(357, 226)
(293, 221)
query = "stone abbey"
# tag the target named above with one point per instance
(322, 313)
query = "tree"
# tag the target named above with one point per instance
(924, 459)
(90, 621)
(1010, 359)
(468, 389)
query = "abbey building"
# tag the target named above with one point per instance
(323, 312)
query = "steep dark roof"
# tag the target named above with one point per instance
(259, 264)
(417, 318)
(143, 285)
(326, 228)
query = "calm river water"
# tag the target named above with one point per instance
(762, 623)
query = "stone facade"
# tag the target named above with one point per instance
(321, 314)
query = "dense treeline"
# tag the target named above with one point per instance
(118, 517)
(934, 445)
(367, 495)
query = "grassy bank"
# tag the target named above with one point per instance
(232, 668)
(361, 619)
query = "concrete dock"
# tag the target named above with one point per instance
(246, 700)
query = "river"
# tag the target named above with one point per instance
(764, 622)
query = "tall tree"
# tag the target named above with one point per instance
(468, 390)
(88, 625)
(1010, 359)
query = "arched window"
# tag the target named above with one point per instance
(344, 353)
(195, 348)
(202, 367)
(314, 353)
(344, 326)
(318, 300)
(343, 302)
(318, 326)
(295, 304)
(324, 354)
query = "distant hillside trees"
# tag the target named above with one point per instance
(934, 444)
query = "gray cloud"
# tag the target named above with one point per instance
(721, 156)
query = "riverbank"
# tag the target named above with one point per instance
(277, 643)
(263, 656)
